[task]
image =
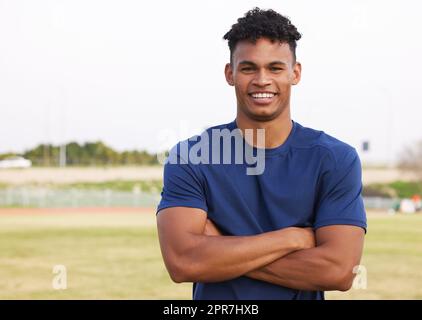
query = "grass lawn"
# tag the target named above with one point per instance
(116, 256)
(392, 258)
(106, 255)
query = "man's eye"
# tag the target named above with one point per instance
(276, 69)
(247, 69)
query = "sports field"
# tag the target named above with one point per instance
(114, 254)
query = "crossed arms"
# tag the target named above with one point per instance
(194, 251)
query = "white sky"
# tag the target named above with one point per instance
(131, 72)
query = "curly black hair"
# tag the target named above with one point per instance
(258, 23)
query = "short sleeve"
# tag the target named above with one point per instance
(181, 187)
(340, 200)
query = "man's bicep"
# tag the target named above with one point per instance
(176, 224)
(178, 228)
(344, 243)
(328, 266)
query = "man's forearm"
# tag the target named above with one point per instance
(217, 258)
(328, 266)
(310, 269)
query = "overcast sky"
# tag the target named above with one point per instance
(131, 72)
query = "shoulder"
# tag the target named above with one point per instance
(334, 151)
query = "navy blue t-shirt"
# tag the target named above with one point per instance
(311, 180)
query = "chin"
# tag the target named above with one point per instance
(263, 116)
(262, 113)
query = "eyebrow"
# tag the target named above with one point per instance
(246, 62)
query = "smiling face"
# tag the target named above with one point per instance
(262, 74)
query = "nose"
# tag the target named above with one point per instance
(262, 79)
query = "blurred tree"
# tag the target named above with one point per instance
(8, 155)
(88, 154)
(411, 159)
(43, 155)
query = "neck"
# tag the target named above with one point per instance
(276, 130)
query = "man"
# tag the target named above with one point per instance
(291, 231)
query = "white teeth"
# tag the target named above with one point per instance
(262, 95)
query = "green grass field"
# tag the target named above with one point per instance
(116, 256)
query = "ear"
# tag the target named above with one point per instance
(297, 73)
(228, 72)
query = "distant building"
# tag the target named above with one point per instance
(15, 162)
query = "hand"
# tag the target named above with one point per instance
(302, 238)
(211, 229)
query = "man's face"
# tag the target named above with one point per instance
(262, 74)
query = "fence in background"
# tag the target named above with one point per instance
(56, 198)
(379, 203)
